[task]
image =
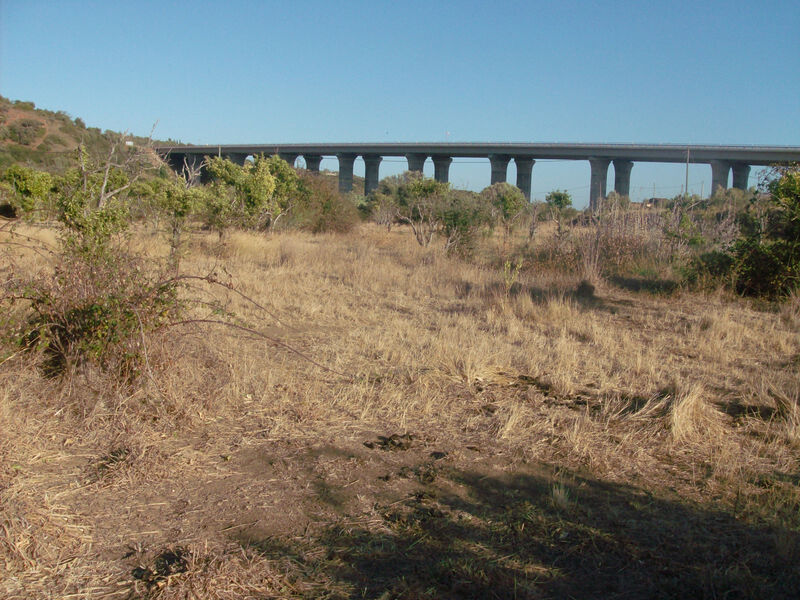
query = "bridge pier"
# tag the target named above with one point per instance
(187, 164)
(622, 177)
(741, 175)
(499, 164)
(346, 172)
(597, 183)
(416, 162)
(441, 168)
(372, 164)
(237, 157)
(312, 162)
(289, 157)
(719, 175)
(524, 174)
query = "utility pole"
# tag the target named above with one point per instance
(686, 188)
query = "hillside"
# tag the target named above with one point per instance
(45, 139)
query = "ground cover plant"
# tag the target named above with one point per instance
(349, 412)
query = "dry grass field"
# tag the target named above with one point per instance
(451, 436)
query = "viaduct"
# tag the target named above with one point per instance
(722, 159)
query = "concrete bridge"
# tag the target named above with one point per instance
(722, 159)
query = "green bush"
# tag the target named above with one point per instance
(506, 204)
(25, 131)
(767, 259)
(29, 189)
(463, 217)
(559, 199)
(255, 195)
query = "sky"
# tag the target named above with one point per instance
(264, 72)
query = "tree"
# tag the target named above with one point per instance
(244, 194)
(287, 187)
(559, 199)
(506, 204)
(421, 204)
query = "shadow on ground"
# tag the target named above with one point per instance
(489, 534)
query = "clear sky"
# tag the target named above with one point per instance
(718, 72)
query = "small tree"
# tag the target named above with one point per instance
(559, 199)
(463, 217)
(558, 202)
(767, 260)
(382, 209)
(506, 205)
(421, 204)
(244, 194)
(287, 187)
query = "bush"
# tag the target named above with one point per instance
(767, 259)
(99, 300)
(94, 308)
(28, 188)
(463, 216)
(319, 208)
(506, 204)
(559, 199)
(254, 195)
(25, 131)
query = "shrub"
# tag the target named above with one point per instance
(422, 203)
(25, 131)
(319, 207)
(95, 308)
(506, 204)
(99, 300)
(255, 195)
(463, 216)
(559, 199)
(29, 188)
(767, 259)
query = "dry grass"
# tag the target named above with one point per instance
(250, 458)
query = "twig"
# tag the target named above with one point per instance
(263, 336)
(214, 281)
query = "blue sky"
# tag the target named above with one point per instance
(273, 72)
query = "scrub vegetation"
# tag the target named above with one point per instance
(259, 388)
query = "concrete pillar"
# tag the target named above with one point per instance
(175, 161)
(441, 168)
(524, 172)
(236, 157)
(597, 183)
(499, 167)
(186, 164)
(416, 162)
(289, 157)
(312, 162)
(346, 172)
(622, 177)
(719, 175)
(741, 176)
(372, 164)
